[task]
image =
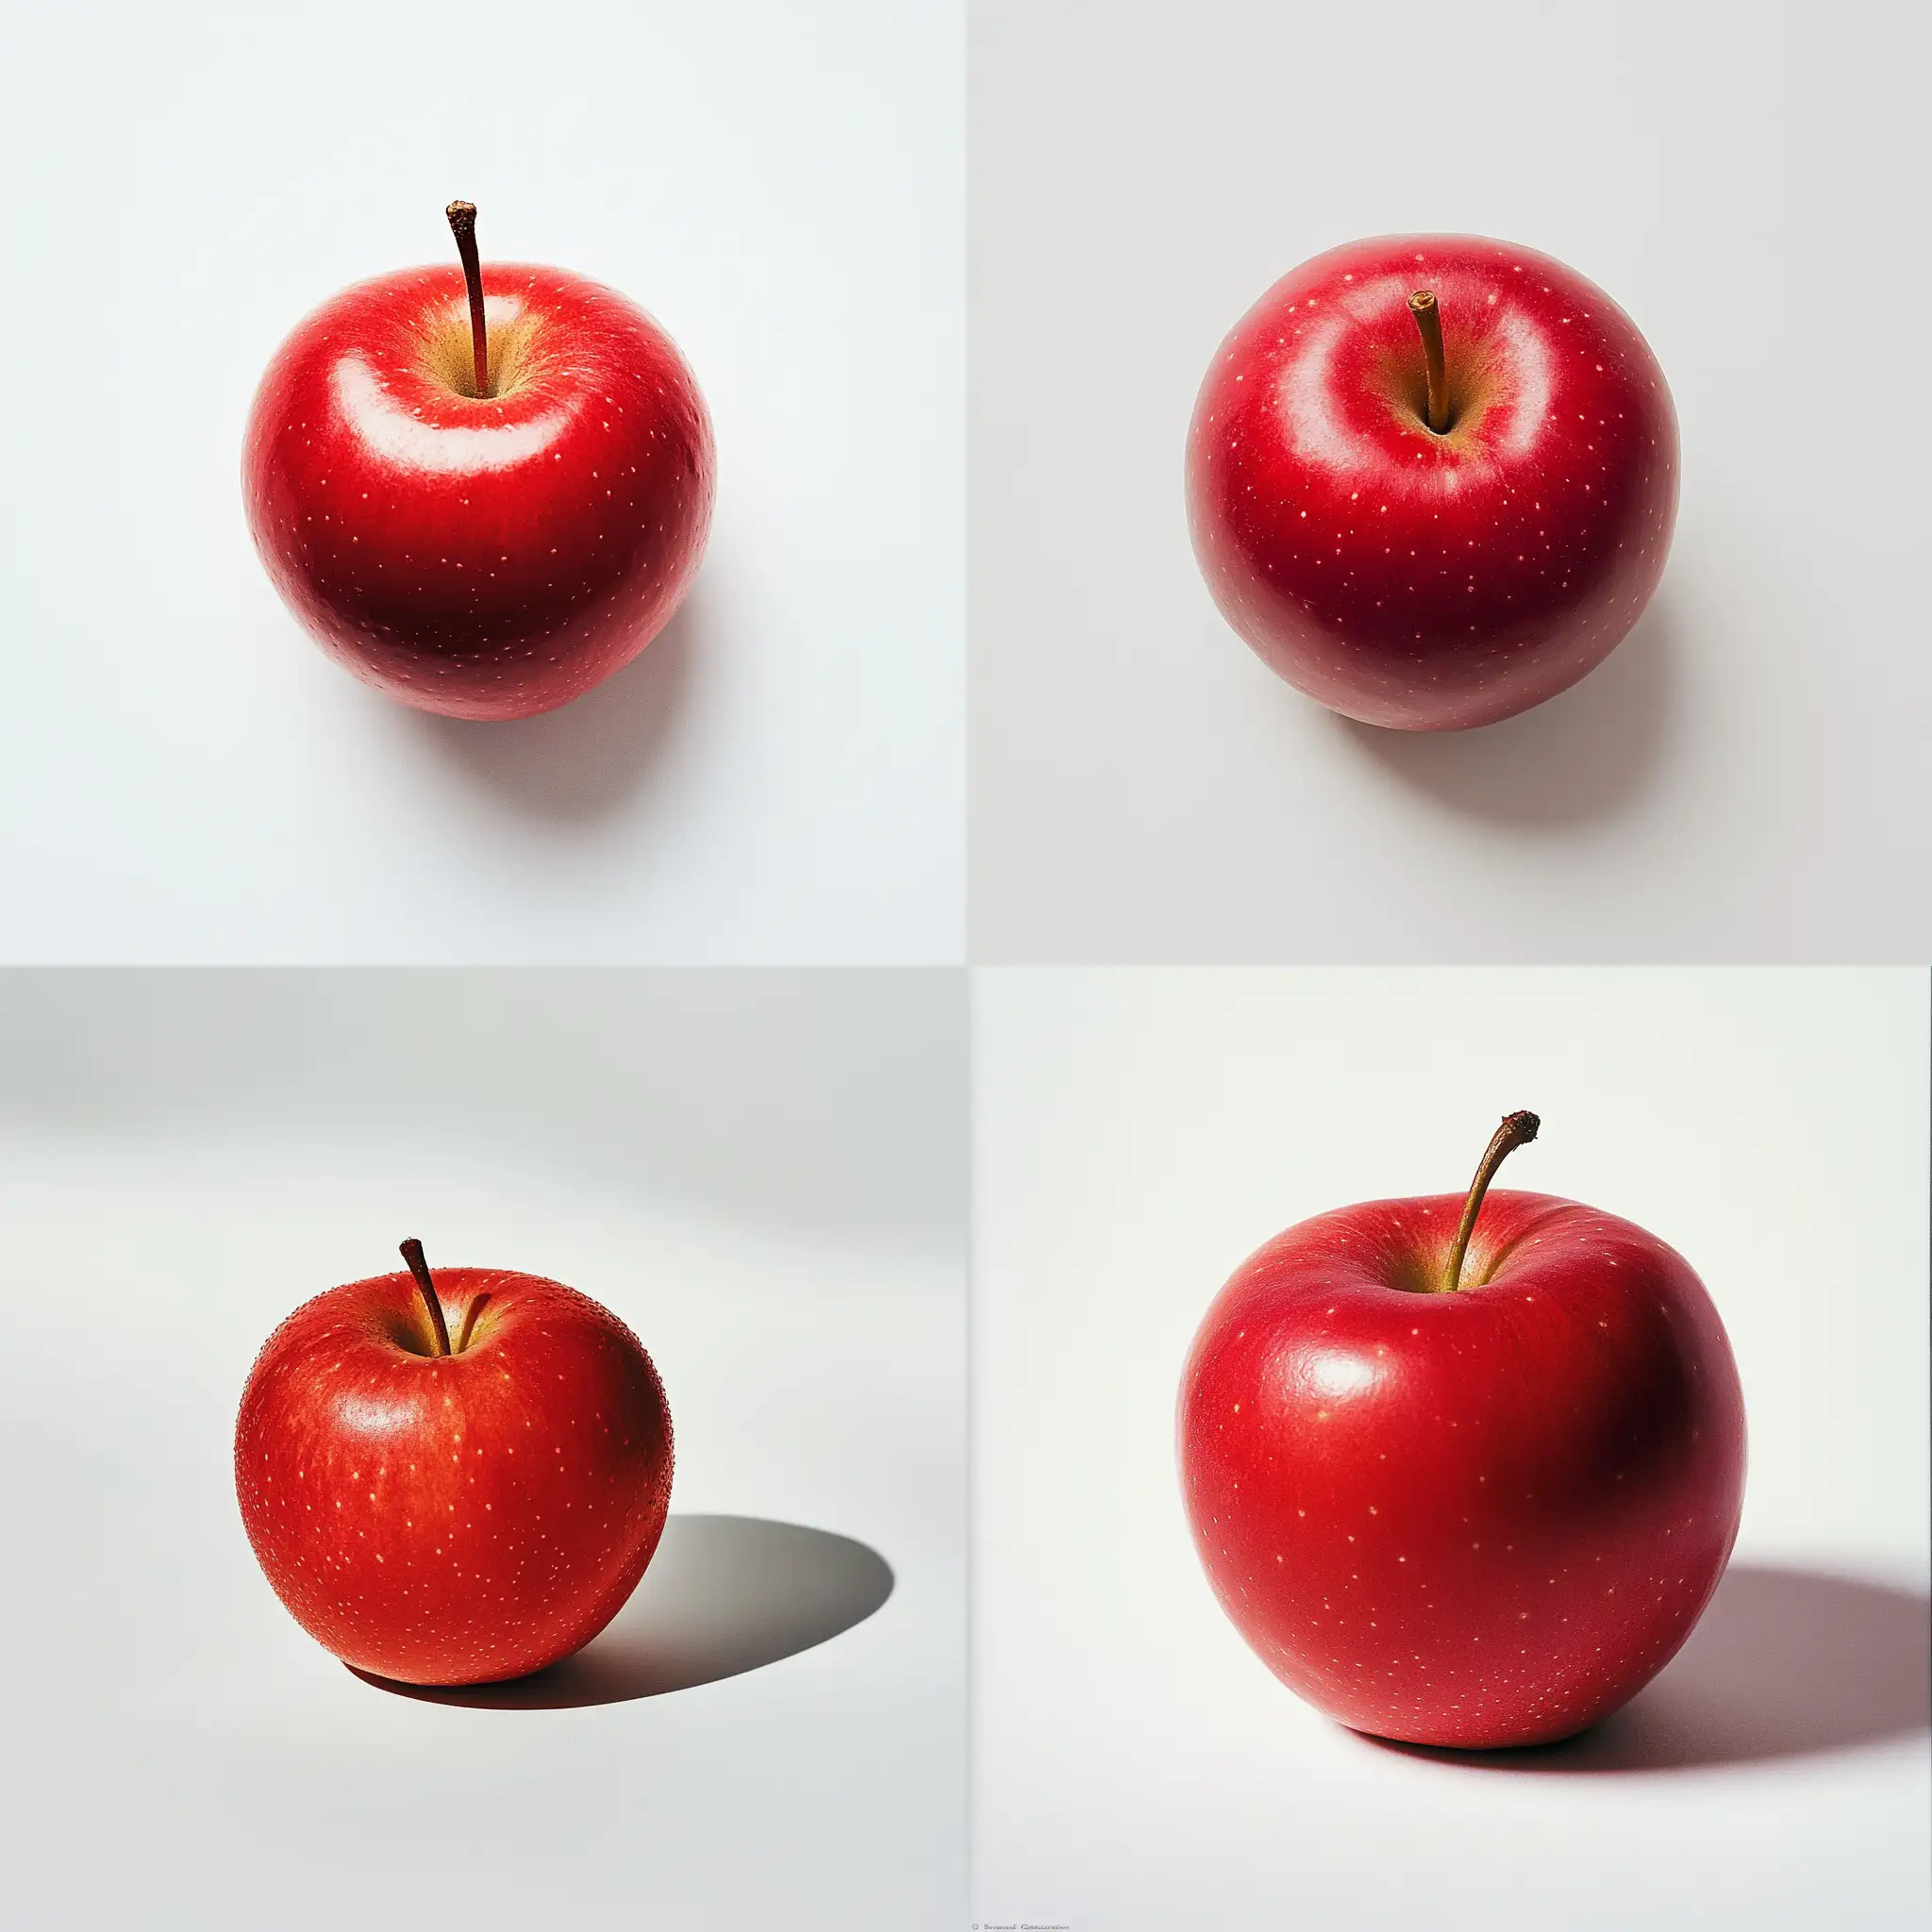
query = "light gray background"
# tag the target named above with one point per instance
(1745, 778)
(185, 778)
(1136, 1134)
(763, 1173)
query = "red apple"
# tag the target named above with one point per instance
(482, 491)
(1464, 1472)
(453, 1512)
(1431, 479)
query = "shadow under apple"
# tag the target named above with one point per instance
(1784, 1663)
(724, 1595)
(1579, 758)
(586, 759)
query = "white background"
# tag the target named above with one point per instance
(185, 777)
(1745, 778)
(763, 1173)
(1139, 1134)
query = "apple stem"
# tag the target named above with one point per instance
(1422, 305)
(1518, 1131)
(412, 1254)
(463, 221)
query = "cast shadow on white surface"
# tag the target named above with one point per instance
(724, 1595)
(1784, 1663)
(586, 759)
(1579, 757)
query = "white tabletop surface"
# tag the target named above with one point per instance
(1745, 778)
(779, 777)
(178, 1753)
(1137, 1135)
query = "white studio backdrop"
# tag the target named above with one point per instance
(763, 1173)
(1742, 778)
(185, 778)
(1136, 1134)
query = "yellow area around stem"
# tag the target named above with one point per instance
(513, 347)
(1470, 375)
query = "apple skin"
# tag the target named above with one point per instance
(1426, 582)
(487, 557)
(453, 1519)
(1479, 1518)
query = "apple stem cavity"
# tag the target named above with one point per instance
(476, 1307)
(1518, 1131)
(1422, 305)
(463, 221)
(412, 1254)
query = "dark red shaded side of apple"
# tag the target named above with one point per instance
(453, 1519)
(479, 556)
(1417, 580)
(1479, 1517)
